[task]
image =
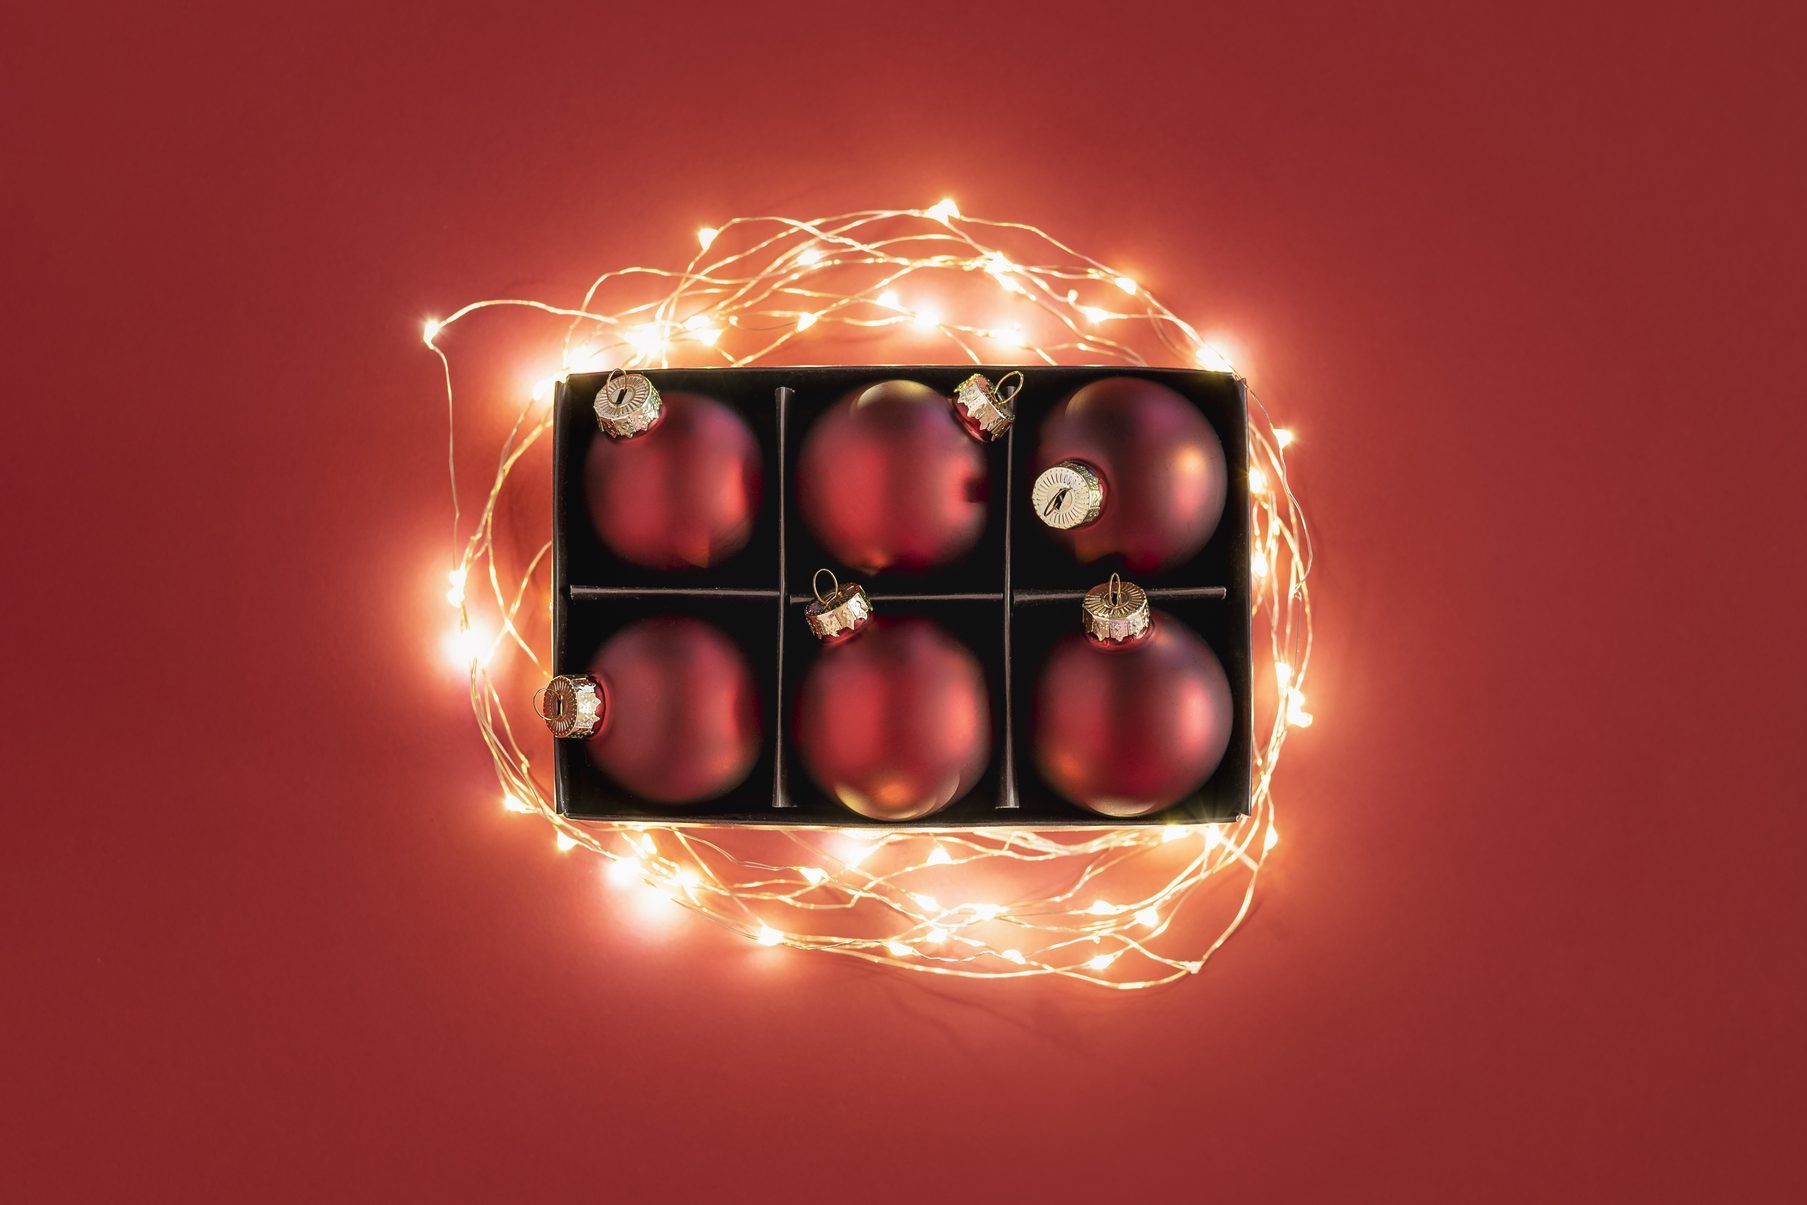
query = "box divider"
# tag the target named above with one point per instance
(781, 796)
(1037, 596)
(584, 593)
(1007, 794)
(879, 597)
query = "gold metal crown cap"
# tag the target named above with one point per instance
(1116, 612)
(571, 705)
(844, 609)
(627, 405)
(985, 409)
(1071, 494)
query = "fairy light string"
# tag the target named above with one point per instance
(1068, 902)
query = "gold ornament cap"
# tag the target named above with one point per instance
(1116, 612)
(627, 405)
(985, 409)
(572, 706)
(1068, 495)
(842, 611)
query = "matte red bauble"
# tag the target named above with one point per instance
(680, 712)
(682, 492)
(1129, 468)
(893, 718)
(890, 478)
(1132, 714)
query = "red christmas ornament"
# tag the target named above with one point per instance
(891, 478)
(1134, 714)
(1130, 468)
(893, 720)
(674, 480)
(670, 710)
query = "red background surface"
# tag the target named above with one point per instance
(1526, 284)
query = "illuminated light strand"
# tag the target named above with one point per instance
(879, 895)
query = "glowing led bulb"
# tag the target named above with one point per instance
(986, 911)
(1296, 715)
(1209, 357)
(999, 266)
(542, 389)
(1172, 832)
(455, 587)
(1015, 956)
(1099, 961)
(897, 949)
(1257, 481)
(940, 857)
(928, 318)
(1272, 839)
(705, 236)
(430, 331)
(1283, 673)
(1013, 335)
(816, 875)
(1127, 284)
(809, 256)
(689, 879)
(585, 358)
(623, 871)
(935, 934)
(927, 903)
(708, 336)
(1094, 314)
(889, 300)
(944, 210)
(1100, 908)
(647, 339)
(805, 321)
(566, 843)
(515, 803)
(466, 647)
(768, 936)
(1148, 918)
(1258, 564)
(1282, 436)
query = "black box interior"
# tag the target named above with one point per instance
(1007, 600)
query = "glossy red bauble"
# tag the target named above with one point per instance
(888, 478)
(682, 496)
(1128, 730)
(894, 720)
(1162, 469)
(680, 710)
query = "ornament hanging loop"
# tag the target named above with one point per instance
(1009, 385)
(1116, 613)
(1067, 495)
(628, 405)
(983, 408)
(572, 705)
(841, 612)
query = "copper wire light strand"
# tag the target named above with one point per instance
(1060, 901)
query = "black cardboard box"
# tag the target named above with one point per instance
(1007, 600)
